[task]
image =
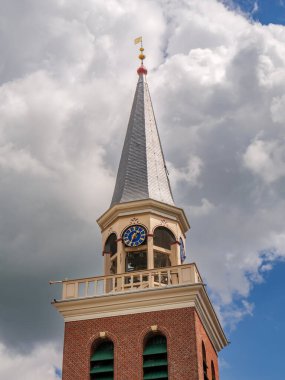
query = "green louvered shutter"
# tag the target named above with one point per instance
(155, 364)
(102, 362)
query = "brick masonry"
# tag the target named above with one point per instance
(211, 354)
(182, 327)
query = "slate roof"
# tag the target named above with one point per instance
(142, 172)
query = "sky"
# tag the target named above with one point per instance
(216, 75)
(263, 11)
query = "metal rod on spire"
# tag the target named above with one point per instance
(141, 56)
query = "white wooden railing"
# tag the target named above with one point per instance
(131, 281)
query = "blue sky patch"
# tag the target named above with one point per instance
(58, 372)
(264, 11)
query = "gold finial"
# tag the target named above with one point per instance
(141, 70)
(141, 56)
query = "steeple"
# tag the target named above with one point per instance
(142, 172)
(149, 306)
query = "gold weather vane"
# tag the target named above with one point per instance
(141, 56)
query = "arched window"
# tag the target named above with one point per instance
(161, 260)
(163, 237)
(136, 261)
(102, 361)
(205, 367)
(111, 244)
(155, 364)
(213, 371)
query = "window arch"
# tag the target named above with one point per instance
(155, 363)
(111, 244)
(205, 367)
(102, 361)
(213, 371)
(163, 237)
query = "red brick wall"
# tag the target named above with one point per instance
(182, 328)
(211, 354)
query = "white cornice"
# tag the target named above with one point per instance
(141, 301)
(143, 206)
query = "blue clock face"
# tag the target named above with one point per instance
(134, 236)
(182, 251)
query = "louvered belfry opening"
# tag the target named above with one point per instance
(163, 237)
(102, 362)
(213, 371)
(111, 244)
(155, 364)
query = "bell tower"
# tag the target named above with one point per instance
(148, 316)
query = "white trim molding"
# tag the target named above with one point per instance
(144, 301)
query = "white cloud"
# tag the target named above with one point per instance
(266, 159)
(255, 7)
(204, 209)
(20, 161)
(278, 109)
(190, 173)
(232, 315)
(278, 242)
(43, 362)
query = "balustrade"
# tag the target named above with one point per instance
(131, 281)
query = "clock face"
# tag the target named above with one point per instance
(134, 236)
(182, 251)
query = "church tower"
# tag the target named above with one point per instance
(148, 316)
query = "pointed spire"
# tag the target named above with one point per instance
(142, 171)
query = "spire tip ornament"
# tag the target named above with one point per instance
(141, 70)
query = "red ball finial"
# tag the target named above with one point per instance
(142, 70)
